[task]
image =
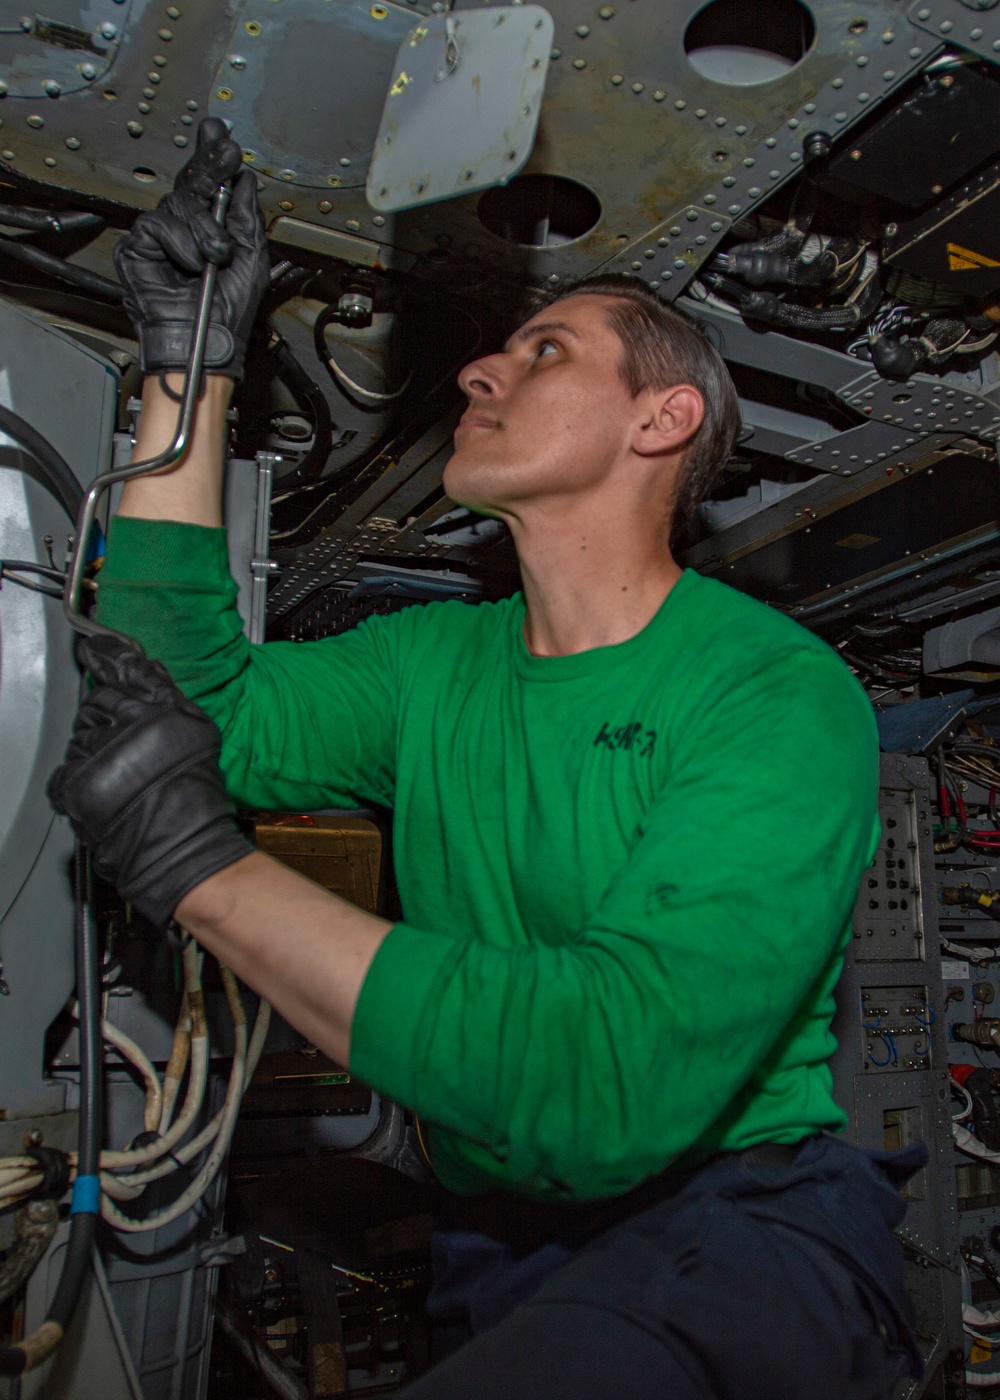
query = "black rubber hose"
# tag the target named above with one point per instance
(985, 1114)
(42, 221)
(24, 1356)
(59, 267)
(56, 472)
(88, 1160)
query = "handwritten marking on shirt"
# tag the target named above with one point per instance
(627, 736)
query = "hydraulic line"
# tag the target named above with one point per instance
(23, 1356)
(167, 458)
(55, 471)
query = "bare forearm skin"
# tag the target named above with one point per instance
(191, 491)
(303, 949)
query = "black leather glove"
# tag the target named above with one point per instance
(141, 782)
(161, 260)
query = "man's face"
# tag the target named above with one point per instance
(548, 416)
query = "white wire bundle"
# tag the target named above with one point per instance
(971, 1146)
(126, 1174)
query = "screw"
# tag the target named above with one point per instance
(73, 143)
(855, 155)
(617, 79)
(353, 225)
(890, 229)
(51, 88)
(325, 206)
(108, 30)
(606, 12)
(583, 30)
(166, 35)
(286, 174)
(173, 12)
(180, 140)
(49, 160)
(285, 204)
(36, 122)
(134, 128)
(378, 220)
(237, 61)
(34, 1138)
(88, 71)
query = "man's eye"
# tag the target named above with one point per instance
(546, 345)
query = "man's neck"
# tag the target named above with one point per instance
(590, 583)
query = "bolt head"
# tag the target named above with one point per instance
(88, 71)
(108, 30)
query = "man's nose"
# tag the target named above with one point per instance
(482, 379)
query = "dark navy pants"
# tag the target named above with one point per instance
(744, 1282)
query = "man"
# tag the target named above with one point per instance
(631, 810)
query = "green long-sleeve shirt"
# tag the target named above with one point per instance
(627, 875)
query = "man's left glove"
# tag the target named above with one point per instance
(141, 783)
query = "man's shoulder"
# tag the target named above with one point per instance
(737, 623)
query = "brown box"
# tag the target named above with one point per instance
(340, 853)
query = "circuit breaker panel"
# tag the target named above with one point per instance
(891, 1070)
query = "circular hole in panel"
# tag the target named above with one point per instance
(901, 398)
(539, 211)
(738, 44)
(143, 173)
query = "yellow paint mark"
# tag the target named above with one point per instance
(419, 35)
(379, 12)
(401, 82)
(979, 1353)
(223, 94)
(964, 260)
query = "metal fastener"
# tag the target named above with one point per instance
(659, 95)
(191, 105)
(378, 220)
(160, 59)
(166, 35)
(186, 119)
(353, 225)
(638, 87)
(224, 94)
(144, 108)
(237, 61)
(51, 88)
(344, 160)
(579, 63)
(286, 174)
(149, 93)
(108, 30)
(173, 12)
(583, 30)
(51, 160)
(325, 206)
(180, 140)
(286, 204)
(606, 12)
(72, 143)
(134, 128)
(617, 79)
(36, 121)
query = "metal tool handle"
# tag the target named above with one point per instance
(170, 455)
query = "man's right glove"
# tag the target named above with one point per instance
(161, 260)
(141, 782)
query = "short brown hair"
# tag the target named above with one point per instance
(661, 347)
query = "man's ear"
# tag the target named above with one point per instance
(670, 419)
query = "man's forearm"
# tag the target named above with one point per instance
(191, 491)
(303, 949)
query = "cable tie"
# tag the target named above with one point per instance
(86, 1196)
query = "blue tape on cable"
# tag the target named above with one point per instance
(86, 1199)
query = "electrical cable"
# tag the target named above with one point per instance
(342, 378)
(58, 267)
(56, 472)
